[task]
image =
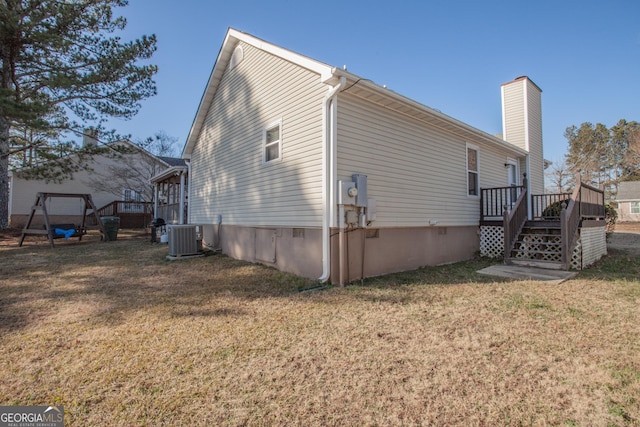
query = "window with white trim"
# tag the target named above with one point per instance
(134, 198)
(473, 171)
(272, 142)
(635, 207)
(129, 195)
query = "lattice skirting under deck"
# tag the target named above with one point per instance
(492, 245)
(491, 241)
(576, 256)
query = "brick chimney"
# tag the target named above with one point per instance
(90, 137)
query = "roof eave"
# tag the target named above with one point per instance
(172, 171)
(438, 119)
(330, 76)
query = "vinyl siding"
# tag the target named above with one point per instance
(522, 111)
(416, 173)
(594, 244)
(514, 114)
(536, 162)
(24, 191)
(229, 177)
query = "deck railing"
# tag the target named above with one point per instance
(131, 214)
(548, 206)
(494, 201)
(586, 202)
(591, 202)
(171, 212)
(513, 221)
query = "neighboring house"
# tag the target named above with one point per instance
(119, 185)
(322, 173)
(628, 199)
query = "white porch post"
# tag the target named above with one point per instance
(156, 192)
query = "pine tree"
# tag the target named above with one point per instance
(584, 154)
(626, 140)
(62, 68)
(604, 156)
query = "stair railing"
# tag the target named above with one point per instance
(586, 202)
(514, 220)
(569, 222)
(591, 202)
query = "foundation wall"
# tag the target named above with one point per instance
(374, 252)
(294, 250)
(359, 253)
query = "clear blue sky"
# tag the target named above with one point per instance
(447, 54)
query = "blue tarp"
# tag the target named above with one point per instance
(65, 233)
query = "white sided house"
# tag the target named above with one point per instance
(319, 172)
(119, 185)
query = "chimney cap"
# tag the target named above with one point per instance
(517, 79)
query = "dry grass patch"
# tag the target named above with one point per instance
(120, 336)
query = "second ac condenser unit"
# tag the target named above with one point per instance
(182, 240)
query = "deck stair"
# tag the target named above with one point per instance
(539, 244)
(544, 230)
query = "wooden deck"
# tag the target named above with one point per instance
(540, 228)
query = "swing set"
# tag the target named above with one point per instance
(56, 231)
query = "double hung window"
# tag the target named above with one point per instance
(473, 171)
(272, 142)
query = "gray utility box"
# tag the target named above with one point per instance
(183, 240)
(361, 184)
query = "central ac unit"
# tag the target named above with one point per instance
(182, 240)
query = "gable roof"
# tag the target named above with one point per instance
(331, 76)
(130, 145)
(628, 190)
(224, 56)
(173, 161)
(141, 150)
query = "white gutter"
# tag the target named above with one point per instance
(329, 146)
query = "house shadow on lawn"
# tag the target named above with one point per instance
(106, 282)
(109, 282)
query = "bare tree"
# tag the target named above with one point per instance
(558, 178)
(129, 176)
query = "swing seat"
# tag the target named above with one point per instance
(59, 231)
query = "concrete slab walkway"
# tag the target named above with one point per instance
(528, 273)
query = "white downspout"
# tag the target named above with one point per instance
(182, 199)
(329, 146)
(188, 191)
(528, 148)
